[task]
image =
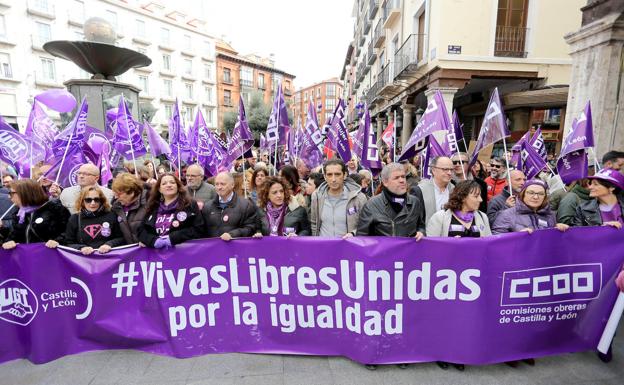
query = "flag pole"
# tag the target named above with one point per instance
(31, 156)
(279, 87)
(7, 211)
(136, 172)
(394, 135)
(507, 165)
(244, 178)
(71, 136)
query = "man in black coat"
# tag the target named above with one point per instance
(228, 215)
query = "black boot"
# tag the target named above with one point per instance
(442, 364)
(606, 358)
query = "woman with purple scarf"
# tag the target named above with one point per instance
(276, 216)
(172, 216)
(37, 218)
(462, 217)
(531, 212)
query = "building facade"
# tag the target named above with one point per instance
(182, 53)
(243, 75)
(403, 51)
(323, 95)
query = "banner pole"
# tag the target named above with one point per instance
(136, 172)
(394, 135)
(612, 324)
(507, 165)
(6, 212)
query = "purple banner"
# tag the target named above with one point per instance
(374, 300)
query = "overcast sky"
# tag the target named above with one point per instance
(309, 38)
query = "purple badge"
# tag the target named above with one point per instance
(181, 216)
(352, 210)
(106, 231)
(119, 219)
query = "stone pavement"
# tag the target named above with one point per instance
(131, 367)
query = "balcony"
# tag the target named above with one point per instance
(373, 5)
(373, 94)
(379, 37)
(372, 56)
(227, 103)
(386, 79)
(510, 41)
(366, 25)
(246, 83)
(288, 92)
(362, 39)
(392, 12)
(408, 56)
(41, 9)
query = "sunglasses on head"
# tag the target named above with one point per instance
(92, 200)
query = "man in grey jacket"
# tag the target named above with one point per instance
(434, 193)
(199, 190)
(336, 204)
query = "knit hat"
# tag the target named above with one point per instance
(535, 182)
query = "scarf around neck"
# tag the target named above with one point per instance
(275, 216)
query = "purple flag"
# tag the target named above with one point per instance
(158, 145)
(57, 99)
(242, 139)
(572, 163)
(312, 141)
(516, 151)
(65, 171)
(178, 139)
(104, 164)
(434, 149)
(338, 134)
(537, 142)
(19, 150)
(457, 127)
(453, 136)
(210, 151)
(357, 137)
(494, 127)
(74, 133)
(264, 146)
(370, 152)
(532, 161)
(278, 125)
(127, 140)
(41, 128)
(435, 118)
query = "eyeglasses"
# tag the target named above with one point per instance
(92, 200)
(79, 173)
(193, 176)
(444, 169)
(535, 194)
(458, 162)
(11, 193)
(495, 166)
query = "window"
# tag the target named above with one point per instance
(165, 36)
(187, 113)
(188, 66)
(305, 97)
(245, 96)
(167, 87)
(5, 65)
(140, 28)
(209, 116)
(188, 90)
(44, 32)
(207, 48)
(166, 61)
(3, 28)
(168, 111)
(227, 98)
(261, 82)
(48, 70)
(207, 71)
(330, 90)
(246, 76)
(144, 83)
(208, 91)
(330, 104)
(318, 92)
(111, 16)
(227, 78)
(187, 43)
(511, 28)
(43, 5)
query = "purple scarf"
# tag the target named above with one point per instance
(275, 216)
(21, 213)
(467, 217)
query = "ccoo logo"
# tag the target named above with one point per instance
(18, 303)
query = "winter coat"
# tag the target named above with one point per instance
(378, 218)
(495, 186)
(296, 220)
(566, 211)
(521, 217)
(355, 203)
(588, 213)
(189, 226)
(46, 223)
(425, 193)
(497, 205)
(131, 223)
(205, 192)
(440, 222)
(238, 218)
(83, 231)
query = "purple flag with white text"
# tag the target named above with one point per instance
(338, 134)
(572, 163)
(537, 142)
(434, 149)
(370, 152)
(210, 151)
(494, 126)
(242, 139)
(41, 128)
(278, 125)
(74, 133)
(127, 140)
(65, 170)
(532, 161)
(19, 150)
(312, 141)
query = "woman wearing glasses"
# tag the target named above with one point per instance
(531, 212)
(94, 227)
(37, 218)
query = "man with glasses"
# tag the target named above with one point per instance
(497, 181)
(503, 200)
(88, 175)
(434, 193)
(460, 159)
(199, 190)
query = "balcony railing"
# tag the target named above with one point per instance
(379, 37)
(366, 25)
(510, 41)
(409, 54)
(372, 56)
(227, 79)
(373, 5)
(42, 9)
(246, 83)
(392, 12)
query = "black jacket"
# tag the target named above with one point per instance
(82, 231)
(131, 223)
(588, 213)
(46, 223)
(378, 218)
(187, 229)
(296, 218)
(238, 218)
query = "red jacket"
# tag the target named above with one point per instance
(495, 186)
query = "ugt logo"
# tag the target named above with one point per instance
(18, 303)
